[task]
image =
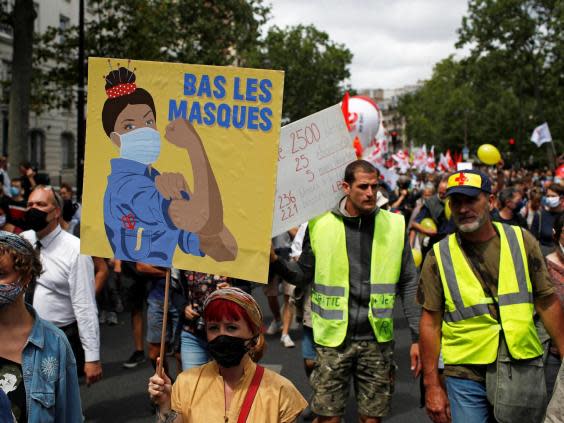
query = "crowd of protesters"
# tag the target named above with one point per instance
(76, 294)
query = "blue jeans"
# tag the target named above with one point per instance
(155, 322)
(468, 401)
(193, 351)
(308, 348)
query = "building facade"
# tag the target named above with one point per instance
(52, 135)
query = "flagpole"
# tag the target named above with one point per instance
(554, 156)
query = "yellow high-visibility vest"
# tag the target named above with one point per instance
(330, 292)
(470, 335)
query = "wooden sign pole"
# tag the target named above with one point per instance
(165, 319)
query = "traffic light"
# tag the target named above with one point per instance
(511, 144)
(394, 135)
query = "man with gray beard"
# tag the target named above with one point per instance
(479, 289)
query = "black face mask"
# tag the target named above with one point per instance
(519, 206)
(227, 350)
(69, 209)
(36, 219)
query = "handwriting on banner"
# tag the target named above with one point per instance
(287, 205)
(312, 156)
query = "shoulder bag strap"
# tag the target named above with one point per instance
(250, 396)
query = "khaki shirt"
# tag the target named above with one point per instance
(484, 260)
(198, 395)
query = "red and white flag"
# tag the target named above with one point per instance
(430, 162)
(382, 139)
(420, 158)
(374, 155)
(446, 164)
(402, 161)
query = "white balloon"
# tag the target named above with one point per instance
(364, 119)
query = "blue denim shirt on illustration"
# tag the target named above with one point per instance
(136, 217)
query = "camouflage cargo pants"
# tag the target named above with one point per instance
(372, 368)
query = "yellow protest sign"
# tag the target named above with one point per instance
(180, 165)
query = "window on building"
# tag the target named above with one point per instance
(64, 24)
(6, 31)
(5, 78)
(6, 70)
(36, 25)
(67, 150)
(37, 148)
(90, 7)
(5, 132)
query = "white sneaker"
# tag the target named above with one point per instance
(287, 341)
(274, 327)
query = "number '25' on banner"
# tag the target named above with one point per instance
(181, 165)
(312, 157)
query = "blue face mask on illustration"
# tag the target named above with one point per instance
(142, 145)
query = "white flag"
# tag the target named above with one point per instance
(541, 134)
(390, 176)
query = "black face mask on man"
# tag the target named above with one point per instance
(36, 219)
(227, 350)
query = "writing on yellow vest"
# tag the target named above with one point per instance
(326, 302)
(383, 300)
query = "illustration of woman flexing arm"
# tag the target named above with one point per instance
(148, 214)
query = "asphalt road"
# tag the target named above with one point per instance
(121, 395)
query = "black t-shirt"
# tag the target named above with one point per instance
(11, 382)
(4, 203)
(542, 226)
(516, 220)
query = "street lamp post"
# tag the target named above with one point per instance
(80, 135)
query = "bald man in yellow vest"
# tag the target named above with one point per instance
(479, 289)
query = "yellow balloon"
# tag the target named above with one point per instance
(417, 256)
(448, 212)
(489, 154)
(429, 224)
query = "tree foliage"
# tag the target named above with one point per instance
(315, 67)
(203, 32)
(512, 80)
(187, 31)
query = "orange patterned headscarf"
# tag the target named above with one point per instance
(241, 298)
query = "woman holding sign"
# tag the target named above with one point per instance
(232, 388)
(148, 214)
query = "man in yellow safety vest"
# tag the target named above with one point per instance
(479, 289)
(358, 258)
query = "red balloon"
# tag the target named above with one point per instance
(560, 171)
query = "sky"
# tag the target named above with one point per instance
(394, 42)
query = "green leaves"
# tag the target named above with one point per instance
(512, 81)
(315, 67)
(193, 31)
(188, 31)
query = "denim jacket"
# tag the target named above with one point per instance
(49, 374)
